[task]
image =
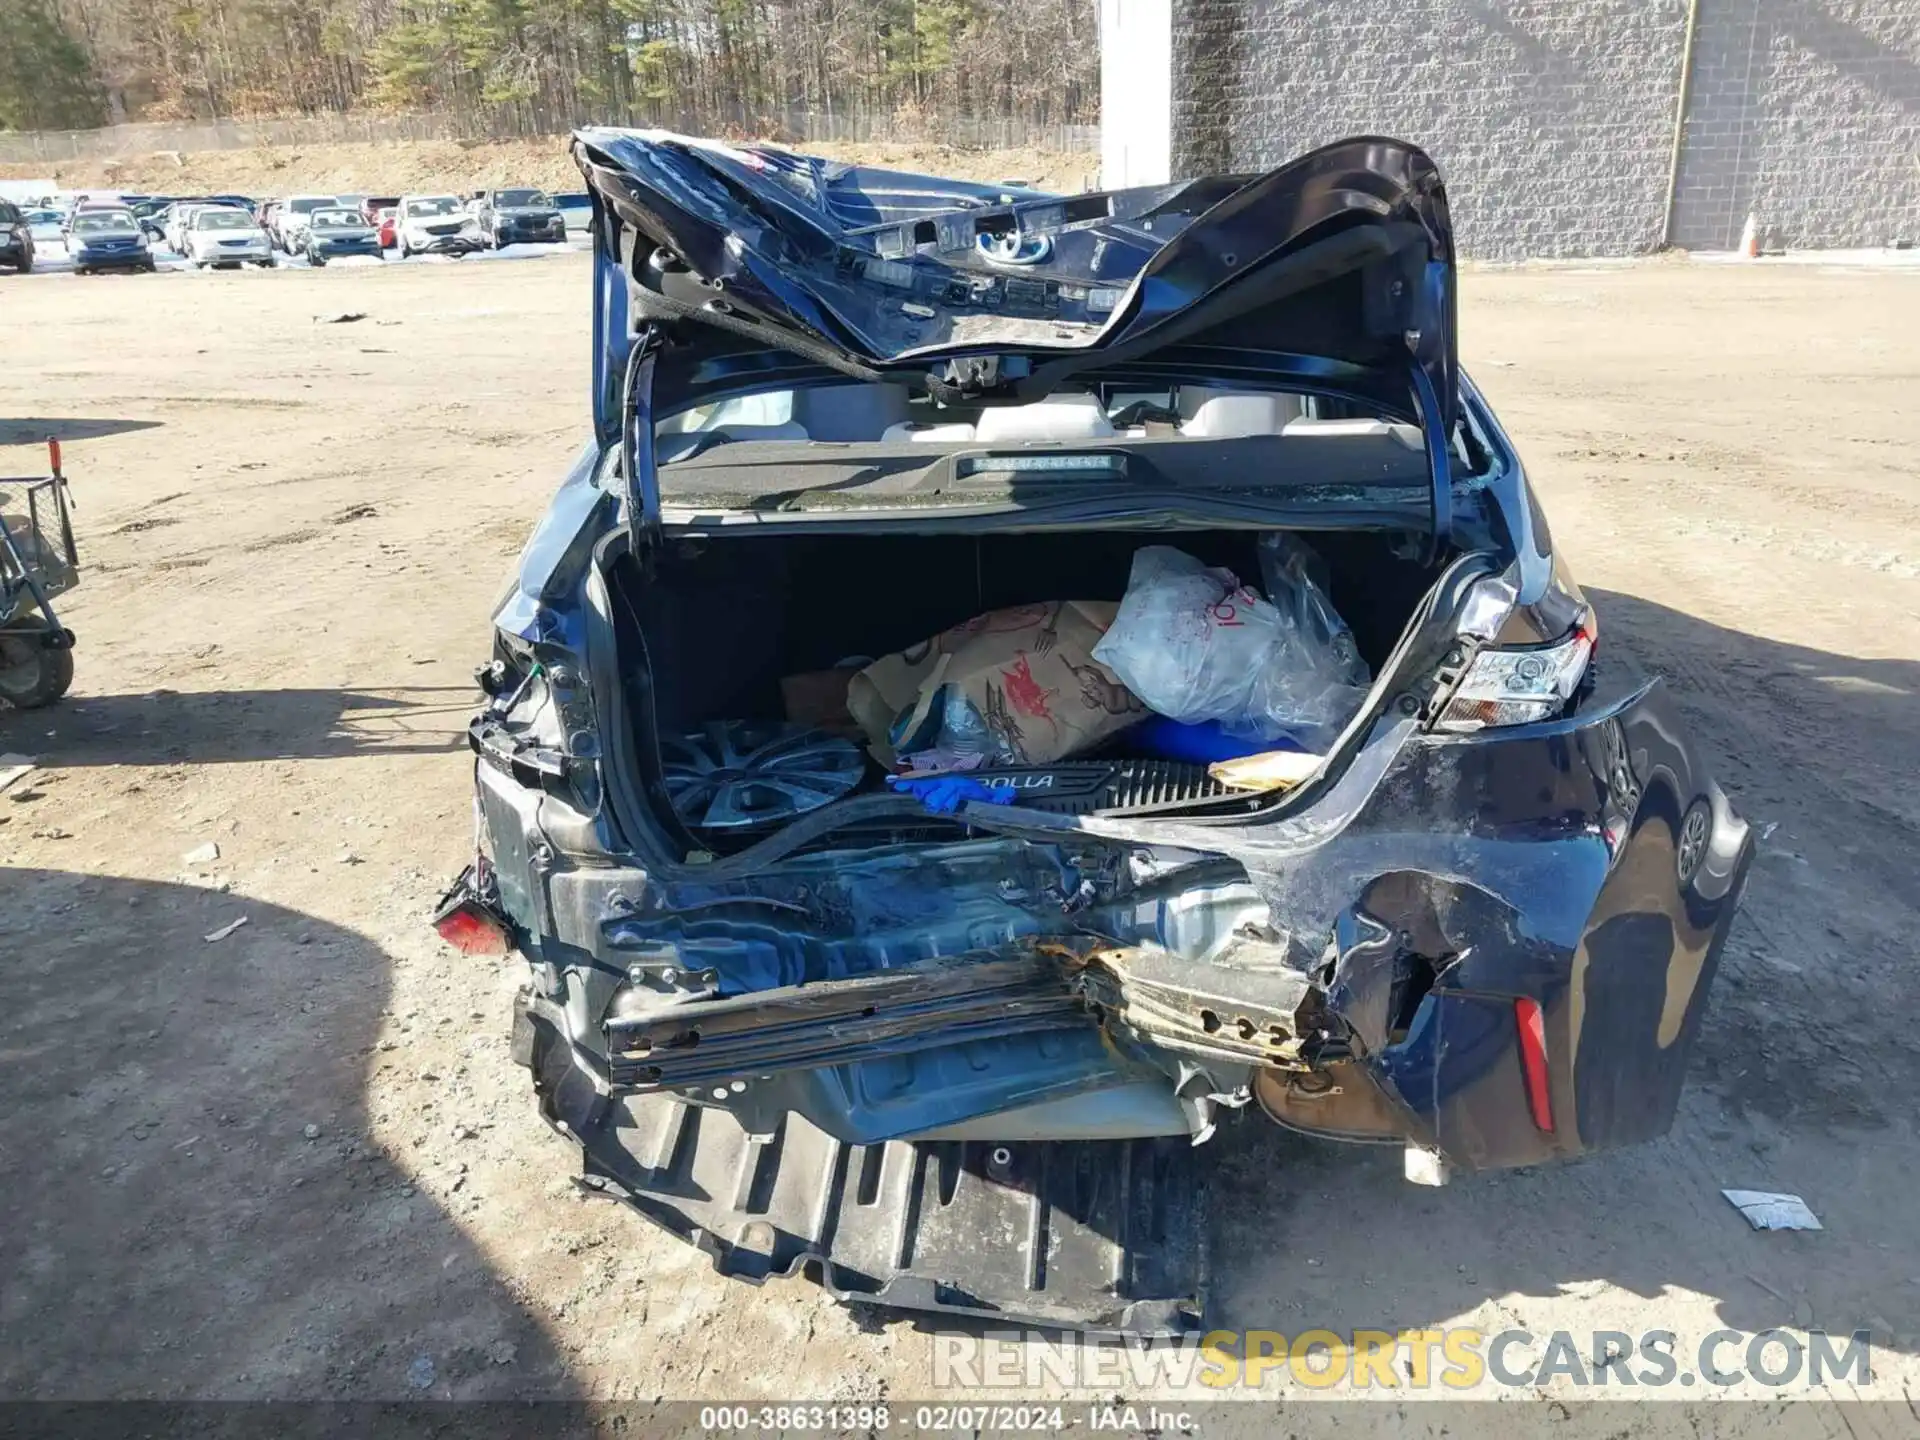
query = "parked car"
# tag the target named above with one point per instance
(92, 207)
(384, 220)
(174, 221)
(43, 223)
(151, 213)
(16, 237)
(289, 224)
(332, 234)
(437, 225)
(107, 240)
(236, 202)
(517, 216)
(576, 207)
(222, 236)
(1476, 917)
(168, 218)
(94, 200)
(371, 207)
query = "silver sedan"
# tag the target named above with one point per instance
(222, 236)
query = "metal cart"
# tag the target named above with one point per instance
(37, 562)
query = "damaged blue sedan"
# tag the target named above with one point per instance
(956, 1056)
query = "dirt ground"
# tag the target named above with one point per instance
(296, 1161)
(425, 166)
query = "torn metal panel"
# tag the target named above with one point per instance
(1239, 1006)
(836, 1022)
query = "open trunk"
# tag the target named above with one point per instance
(953, 1060)
(726, 617)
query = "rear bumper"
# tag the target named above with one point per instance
(1595, 872)
(1586, 865)
(857, 1106)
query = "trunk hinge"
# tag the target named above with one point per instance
(1439, 465)
(636, 442)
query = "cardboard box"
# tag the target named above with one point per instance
(1024, 680)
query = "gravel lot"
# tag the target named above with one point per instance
(296, 1162)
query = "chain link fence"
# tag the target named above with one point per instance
(798, 127)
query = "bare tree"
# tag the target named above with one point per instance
(741, 66)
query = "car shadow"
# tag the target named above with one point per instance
(35, 430)
(1801, 1081)
(195, 1203)
(163, 727)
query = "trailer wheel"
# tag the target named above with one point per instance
(32, 674)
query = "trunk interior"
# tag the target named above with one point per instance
(725, 619)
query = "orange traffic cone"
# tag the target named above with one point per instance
(1750, 236)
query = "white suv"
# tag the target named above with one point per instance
(437, 225)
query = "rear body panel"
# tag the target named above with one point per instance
(1542, 865)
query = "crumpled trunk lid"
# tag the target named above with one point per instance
(1344, 256)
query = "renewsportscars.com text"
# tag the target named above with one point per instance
(1452, 1359)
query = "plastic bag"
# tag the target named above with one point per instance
(1292, 574)
(1197, 645)
(1319, 679)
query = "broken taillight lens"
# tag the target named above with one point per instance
(1515, 687)
(467, 920)
(1532, 1026)
(472, 931)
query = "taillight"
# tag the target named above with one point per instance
(472, 931)
(1515, 687)
(1532, 1026)
(467, 920)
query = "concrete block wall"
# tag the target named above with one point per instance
(1806, 112)
(1553, 120)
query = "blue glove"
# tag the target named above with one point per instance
(945, 794)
